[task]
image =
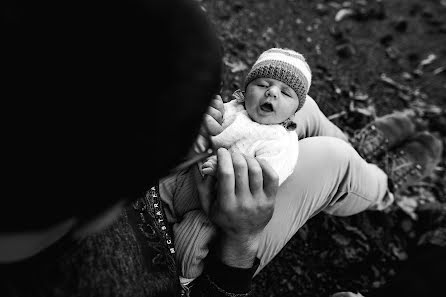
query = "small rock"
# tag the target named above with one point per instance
(345, 50)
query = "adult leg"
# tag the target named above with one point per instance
(311, 121)
(328, 174)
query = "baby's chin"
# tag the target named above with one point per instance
(265, 119)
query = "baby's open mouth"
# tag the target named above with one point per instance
(266, 107)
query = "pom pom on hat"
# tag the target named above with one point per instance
(285, 65)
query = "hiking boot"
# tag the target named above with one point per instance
(412, 161)
(382, 135)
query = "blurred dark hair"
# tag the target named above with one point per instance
(99, 100)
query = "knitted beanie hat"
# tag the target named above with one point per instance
(285, 65)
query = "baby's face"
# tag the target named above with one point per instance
(269, 101)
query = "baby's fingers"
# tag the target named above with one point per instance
(212, 126)
(217, 103)
(208, 171)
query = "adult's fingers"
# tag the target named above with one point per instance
(225, 173)
(255, 175)
(241, 174)
(270, 179)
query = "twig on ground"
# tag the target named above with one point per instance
(337, 115)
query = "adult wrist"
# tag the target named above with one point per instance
(226, 278)
(238, 251)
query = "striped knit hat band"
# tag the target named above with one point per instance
(286, 66)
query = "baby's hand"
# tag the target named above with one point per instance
(214, 117)
(211, 125)
(210, 166)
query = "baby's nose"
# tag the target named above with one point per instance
(272, 92)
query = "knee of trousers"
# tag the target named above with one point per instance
(336, 152)
(335, 162)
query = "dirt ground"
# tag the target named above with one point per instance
(368, 58)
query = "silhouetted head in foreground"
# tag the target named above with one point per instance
(100, 101)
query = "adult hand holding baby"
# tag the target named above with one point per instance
(240, 202)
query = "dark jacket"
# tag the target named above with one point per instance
(132, 257)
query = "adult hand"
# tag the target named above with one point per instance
(240, 202)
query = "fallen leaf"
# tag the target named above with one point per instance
(430, 58)
(236, 66)
(360, 96)
(435, 237)
(399, 253)
(408, 205)
(341, 239)
(343, 13)
(439, 70)
(383, 77)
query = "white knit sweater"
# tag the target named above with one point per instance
(273, 143)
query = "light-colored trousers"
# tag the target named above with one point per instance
(329, 176)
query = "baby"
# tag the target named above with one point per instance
(258, 123)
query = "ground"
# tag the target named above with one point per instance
(368, 58)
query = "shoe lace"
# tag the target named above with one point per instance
(369, 142)
(398, 167)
